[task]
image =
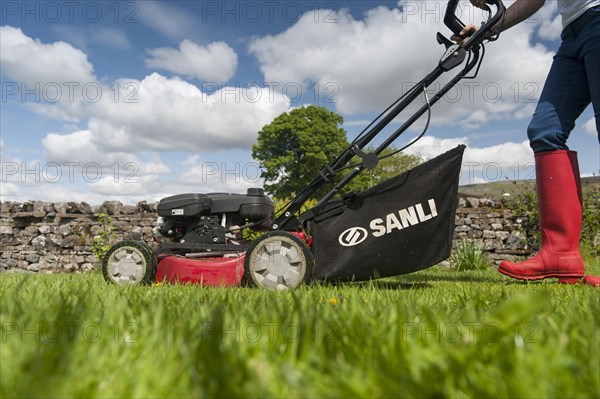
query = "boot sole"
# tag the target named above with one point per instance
(562, 278)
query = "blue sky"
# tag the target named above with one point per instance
(139, 100)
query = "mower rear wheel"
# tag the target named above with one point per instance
(278, 260)
(129, 262)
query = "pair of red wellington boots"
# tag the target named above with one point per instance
(560, 206)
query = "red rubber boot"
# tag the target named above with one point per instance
(594, 281)
(560, 206)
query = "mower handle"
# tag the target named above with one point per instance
(456, 25)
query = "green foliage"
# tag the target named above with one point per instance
(280, 204)
(387, 168)
(251, 234)
(469, 255)
(590, 231)
(433, 334)
(525, 205)
(296, 146)
(105, 238)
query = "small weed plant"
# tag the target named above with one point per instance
(106, 236)
(469, 255)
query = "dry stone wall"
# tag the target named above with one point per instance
(42, 237)
(45, 237)
(503, 234)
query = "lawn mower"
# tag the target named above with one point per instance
(401, 225)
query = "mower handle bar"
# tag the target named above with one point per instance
(472, 45)
(456, 25)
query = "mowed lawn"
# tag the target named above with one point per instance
(436, 333)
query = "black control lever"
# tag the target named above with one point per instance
(441, 39)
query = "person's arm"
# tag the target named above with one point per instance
(518, 12)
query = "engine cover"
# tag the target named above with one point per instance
(253, 206)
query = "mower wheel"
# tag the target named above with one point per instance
(278, 260)
(129, 262)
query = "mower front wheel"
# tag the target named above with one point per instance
(278, 260)
(129, 262)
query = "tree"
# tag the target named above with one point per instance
(297, 145)
(293, 148)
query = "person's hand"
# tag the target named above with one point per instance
(466, 32)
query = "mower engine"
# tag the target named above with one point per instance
(198, 221)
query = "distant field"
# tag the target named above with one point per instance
(435, 333)
(496, 190)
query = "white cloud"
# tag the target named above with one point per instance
(83, 148)
(551, 29)
(9, 191)
(359, 57)
(430, 147)
(548, 11)
(520, 153)
(216, 62)
(153, 114)
(93, 193)
(101, 35)
(231, 176)
(167, 19)
(170, 114)
(377, 58)
(132, 188)
(482, 164)
(79, 172)
(551, 22)
(590, 127)
(31, 61)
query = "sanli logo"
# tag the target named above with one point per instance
(353, 236)
(398, 220)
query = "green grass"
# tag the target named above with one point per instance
(436, 333)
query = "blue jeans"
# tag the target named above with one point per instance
(573, 82)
